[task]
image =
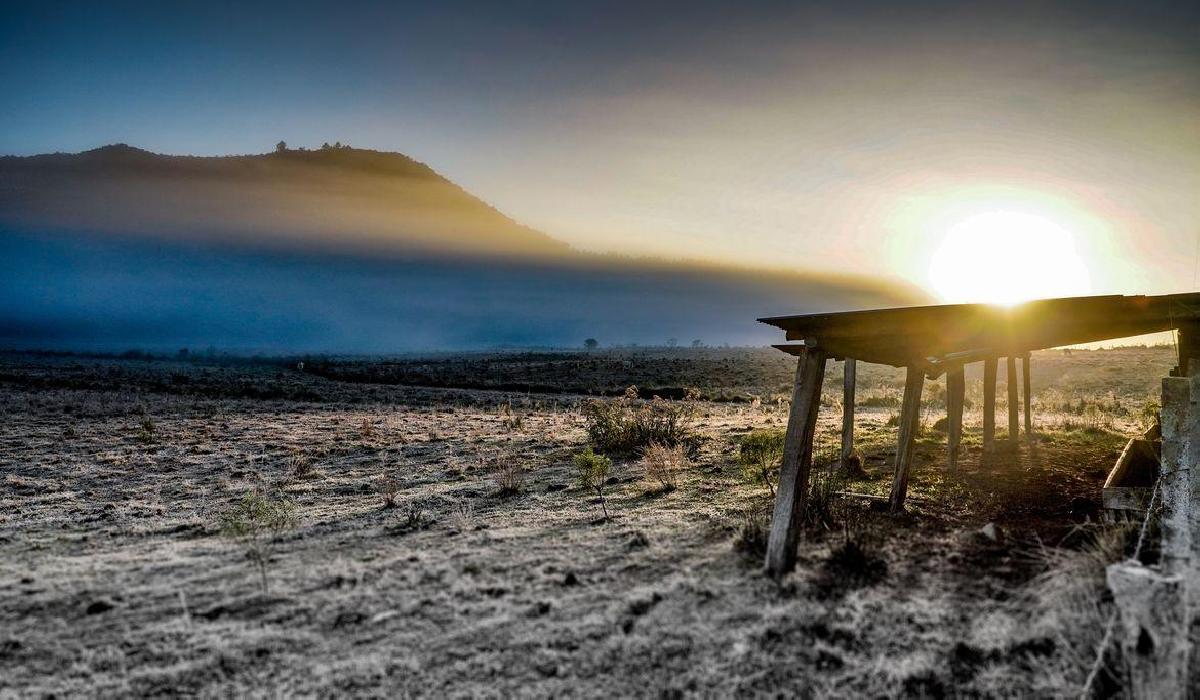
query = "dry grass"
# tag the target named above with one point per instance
(1070, 597)
(663, 464)
(113, 580)
(510, 476)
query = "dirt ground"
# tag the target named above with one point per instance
(116, 579)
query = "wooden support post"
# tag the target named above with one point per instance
(1189, 350)
(956, 388)
(1027, 396)
(797, 461)
(989, 402)
(910, 414)
(848, 412)
(1014, 418)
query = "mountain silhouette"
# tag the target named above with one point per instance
(342, 199)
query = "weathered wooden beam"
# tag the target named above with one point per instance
(956, 388)
(797, 462)
(1014, 418)
(910, 414)
(915, 334)
(848, 377)
(1180, 480)
(1027, 395)
(989, 402)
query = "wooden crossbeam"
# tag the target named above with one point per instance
(927, 334)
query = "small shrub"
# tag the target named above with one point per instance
(624, 426)
(663, 463)
(512, 421)
(593, 470)
(854, 563)
(256, 522)
(300, 465)
(752, 534)
(389, 489)
(462, 518)
(760, 453)
(510, 477)
(823, 486)
(1148, 416)
(146, 429)
(414, 518)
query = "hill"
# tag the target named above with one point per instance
(342, 199)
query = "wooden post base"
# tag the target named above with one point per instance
(989, 402)
(797, 462)
(1014, 417)
(910, 414)
(956, 388)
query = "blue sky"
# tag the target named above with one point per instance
(767, 133)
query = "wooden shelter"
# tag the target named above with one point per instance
(933, 340)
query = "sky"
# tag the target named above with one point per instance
(851, 137)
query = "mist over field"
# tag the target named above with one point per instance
(338, 250)
(80, 291)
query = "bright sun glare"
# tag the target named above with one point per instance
(1005, 257)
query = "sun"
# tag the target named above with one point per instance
(1006, 257)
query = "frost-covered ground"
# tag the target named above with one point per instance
(115, 577)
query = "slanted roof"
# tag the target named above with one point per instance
(947, 334)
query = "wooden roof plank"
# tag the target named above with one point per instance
(911, 335)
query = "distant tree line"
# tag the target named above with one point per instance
(282, 147)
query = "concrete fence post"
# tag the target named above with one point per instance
(1156, 605)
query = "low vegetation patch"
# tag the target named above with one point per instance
(853, 563)
(389, 489)
(510, 477)
(256, 523)
(663, 463)
(752, 534)
(626, 425)
(760, 453)
(592, 470)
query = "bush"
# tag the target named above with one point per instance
(663, 463)
(625, 427)
(752, 534)
(510, 478)
(760, 454)
(145, 432)
(389, 489)
(823, 487)
(256, 521)
(593, 470)
(854, 563)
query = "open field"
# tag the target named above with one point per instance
(494, 573)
